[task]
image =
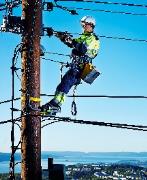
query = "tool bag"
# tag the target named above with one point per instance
(89, 73)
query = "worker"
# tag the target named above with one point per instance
(84, 49)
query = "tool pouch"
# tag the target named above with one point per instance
(89, 73)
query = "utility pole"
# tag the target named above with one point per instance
(31, 121)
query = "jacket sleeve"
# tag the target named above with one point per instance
(80, 47)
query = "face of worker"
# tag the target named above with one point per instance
(87, 27)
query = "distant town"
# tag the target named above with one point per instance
(105, 171)
(97, 172)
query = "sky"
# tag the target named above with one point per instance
(122, 65)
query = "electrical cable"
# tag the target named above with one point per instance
(48, 59)
(11, 4)
(86, 96)
(10, 120)
(109, 11)
(73, 12)
(107, 2)
(102, 96)
(7, 101)
(60, 54)
(99, 123)
(123, 38)
(115, 38)
(50, 123)
(13, 148)
(118, 38)
(1, 5)
(17, 76)
(116, 125)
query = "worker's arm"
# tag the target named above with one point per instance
(72, 43)
(65, 38)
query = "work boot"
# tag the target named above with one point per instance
(49, 110)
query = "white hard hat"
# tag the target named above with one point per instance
(88, 19)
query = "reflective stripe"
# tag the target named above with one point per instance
(35, 99)
(59, 98)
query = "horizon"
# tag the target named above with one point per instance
(84, 152)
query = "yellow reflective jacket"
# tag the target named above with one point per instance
(91, 42)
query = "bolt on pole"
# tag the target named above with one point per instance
(31, 120)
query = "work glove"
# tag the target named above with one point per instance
(60, 35)
(65, 38)
(68, 41)
(68, 64)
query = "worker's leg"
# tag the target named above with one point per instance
(71, 78)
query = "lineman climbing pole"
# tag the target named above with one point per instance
(31, 121)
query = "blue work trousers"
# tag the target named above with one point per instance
(71, 77)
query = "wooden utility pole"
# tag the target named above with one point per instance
(31, 121)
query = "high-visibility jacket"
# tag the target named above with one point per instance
(87, 44)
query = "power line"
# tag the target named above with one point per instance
(1, 5)
(102, 96)
(2, 9)
(97, 123)
(60, 54)
(48, 59)
(86, 96)
(50, 123)
(10, 121)
(123, 38)
(6, 101)
(109, 11)
(17, 2)
(10, 5)
(114, 37)
(110, 3)
(7, 121)
(118, 38)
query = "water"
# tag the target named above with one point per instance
(83, 158)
